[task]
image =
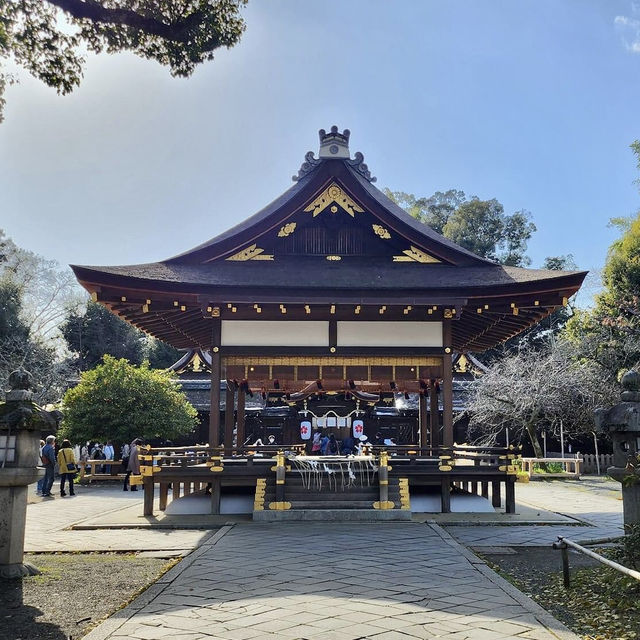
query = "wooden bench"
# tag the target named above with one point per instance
(570, 466)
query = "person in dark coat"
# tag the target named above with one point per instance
(134, 464)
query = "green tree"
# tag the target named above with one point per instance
(97, 332)
(609, 333)
(93, 331)
(160, 354)
(478, 225)
(119, 401)
(46, 37)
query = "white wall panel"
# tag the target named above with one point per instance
(275, 333)
(389, 334)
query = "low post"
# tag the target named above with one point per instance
(280, 476)
(146, 471)
(216, 466)
(383, 483)
(445, 466)
(566, 576)
(281, 469)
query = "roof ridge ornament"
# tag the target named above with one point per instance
(334, 145)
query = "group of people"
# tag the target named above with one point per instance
(69, 463)
(66, 461)
(324, 444)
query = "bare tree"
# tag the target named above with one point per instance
(47, 290)
(533, 390)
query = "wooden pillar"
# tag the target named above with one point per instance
(510, 495)
(215, 495)
(229, 417)
(164, 492)
(445, 495)
(485, 489)
(214, 411)
(423, 439)
(447, 383)
(434, 411)
(240, 418)
(495, 494)
(148, 485)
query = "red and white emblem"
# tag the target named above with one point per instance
(305, 429)
(358, 428)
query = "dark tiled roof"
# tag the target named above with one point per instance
(320, 273)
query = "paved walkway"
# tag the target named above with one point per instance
(49, 522)
(329, 581)
(596, 502)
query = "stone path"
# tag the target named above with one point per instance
(48, 523)
(594, 501)
(329, 581)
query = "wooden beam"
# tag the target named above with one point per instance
(229, 417)
(422, 421)
(434, 414)
(214, 411)
(447, 383)
(240, 417)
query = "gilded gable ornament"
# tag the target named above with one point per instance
(415, 255)
(287, 230)
(381, 231)
(333, 193)
(250, 253)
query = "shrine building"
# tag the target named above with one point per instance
(325, 302)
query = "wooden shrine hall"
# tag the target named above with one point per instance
(333, 292)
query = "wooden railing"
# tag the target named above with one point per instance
(473, 469)
(114, 470)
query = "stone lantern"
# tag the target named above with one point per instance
(622, 422)
(21, 422)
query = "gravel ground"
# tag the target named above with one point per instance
(73, 593)
(587, 607)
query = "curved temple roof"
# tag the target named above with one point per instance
(333, 245)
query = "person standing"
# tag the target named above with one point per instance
(48, 462)
(124, 456)
(67, 467)
(84, 456)
(41, 481)
(133, 467)
(108, 455)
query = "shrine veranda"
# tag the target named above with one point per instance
(330, 305)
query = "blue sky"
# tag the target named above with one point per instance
(531, 102)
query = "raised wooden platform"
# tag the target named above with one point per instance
(285, 480)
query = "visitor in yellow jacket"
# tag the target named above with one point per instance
(67, 467)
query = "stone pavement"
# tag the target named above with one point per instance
(594, 502)
(49, 522)
(329, 581)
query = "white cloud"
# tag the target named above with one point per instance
(630, 29)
